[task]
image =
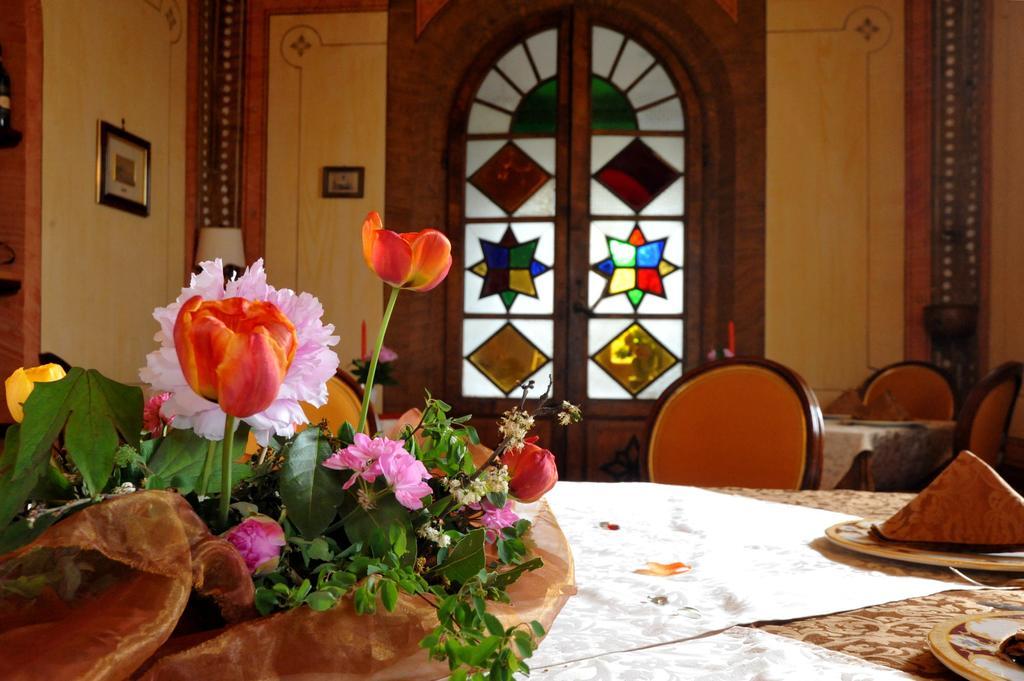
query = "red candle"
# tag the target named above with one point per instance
(362, 351)
(732, 337)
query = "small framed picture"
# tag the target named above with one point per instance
(122, 169)
(343, 182)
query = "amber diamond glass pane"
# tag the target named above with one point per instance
(634, 358)
(508, 358)
(509, 178)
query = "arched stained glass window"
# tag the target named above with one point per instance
(621, 228)
(510, 221)
(636, 222)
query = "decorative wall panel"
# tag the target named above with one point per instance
(835, 204)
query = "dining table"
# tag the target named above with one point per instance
(748, 588)
(884, 455)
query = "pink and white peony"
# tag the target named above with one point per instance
(306, 381)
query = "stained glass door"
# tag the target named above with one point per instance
(574, 235)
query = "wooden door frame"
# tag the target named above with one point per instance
(572, 214)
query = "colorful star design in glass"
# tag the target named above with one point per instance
(509, 268)
(636, 267)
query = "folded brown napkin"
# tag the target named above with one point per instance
(967, 507)
(883, 407)
(846, 404)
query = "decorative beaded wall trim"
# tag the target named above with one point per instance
(957, 173)
(221, 46)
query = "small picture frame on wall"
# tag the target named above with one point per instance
(122, 169)
(343, 182)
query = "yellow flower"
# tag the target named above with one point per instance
(19, 386)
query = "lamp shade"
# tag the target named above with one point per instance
(221, 242)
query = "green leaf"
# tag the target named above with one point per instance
(438, 507)
(178, 461)
(346, 434)
(365, 602)
(15, 492)
(19, 533)
(310, 492)
(538, 630)
(465, 559)
(493, 624)
(361, 524)
(389, 595)
(320, 601)
(524, 643)
(93, 411)
(502, 580)
(398, 537)
(319, 550)
(266, 600)
(478, 654)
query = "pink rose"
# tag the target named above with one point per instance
(386, 355)
(259, 539)
(495, 519)
(373, 457)
(152, 420)
(405, 475)
(362, 456)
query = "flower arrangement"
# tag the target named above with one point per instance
(317, 517)
(360, 367)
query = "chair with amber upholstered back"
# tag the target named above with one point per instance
(985, 416)
(344, 400)
(923, 389)
(737, 422)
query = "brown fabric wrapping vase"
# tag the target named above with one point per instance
(339, 645)
(98, 593)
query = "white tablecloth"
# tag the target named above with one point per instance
(737, 654)
(752, 561)
(902, 456)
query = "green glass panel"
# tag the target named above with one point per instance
(635, 296)
(521, 256)
(508, 297)
(623, 254)
(609, 108)
(538, 111)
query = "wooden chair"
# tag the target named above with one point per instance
(741, 422)
(923, 389)
(344, 400)
(985, 416)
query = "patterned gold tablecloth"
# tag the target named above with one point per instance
(891, 634)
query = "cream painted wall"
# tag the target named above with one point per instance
(327, 94)
(1006, 326)
(103, 269)
(834, 223)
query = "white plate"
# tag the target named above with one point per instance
(969, 645)
(856, 535)
(883, 424)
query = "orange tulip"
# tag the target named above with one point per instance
(235, 352)
(531, 471)
(417, 261)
